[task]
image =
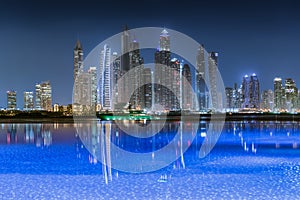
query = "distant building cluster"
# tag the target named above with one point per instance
(283, 98)
(42, 100)
(169, 85)
(144, 88)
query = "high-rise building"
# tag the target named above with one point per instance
(212, 72)
(229, 99)
(136, 65)
(187, 94)
(278, 94)
(83, 95)
(117, 73)
(201, 89)
(94, 95)
(173, 98)
(43, 96)
(291, 94)
(250, 92)
(147, 89)
(105, 79)
(267, 100)
(125, 48)
(28, 101)
(164, 43)
(78, 59)
(162, 75)
(236, 95)
(11, 100)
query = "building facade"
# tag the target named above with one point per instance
(28, 101)
(11, 100)
(78, 59)
(105, 79)
(43, 96)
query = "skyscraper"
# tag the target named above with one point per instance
(267, 99)
(173, 97)
(201, 89)
(78, 59)
(147, 89)
(291, 94)
(229, 99)
(11, 100)
(125, 48)
(117, 73)
(105, 77)
(28, 101)
(187, 94)
(43, 96)
(136, 64)
(250, 92)
(162, 75)
(94, 96)
(212, 72)
(278, 94)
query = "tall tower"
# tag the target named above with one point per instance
(164, 41)
(147, 88)
(43, 93)
(250, 92)
(201, 89)
(117, 73)
(94, 96)
(187, 96)
(125, 48)
(277, 94)
(212, 72)
(11, 100)
(105, 77)
(254, 91)
(291, 94)
(78, 59)
(162, 75)
(136, 64)
(28, 101)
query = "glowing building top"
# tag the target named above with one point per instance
(164, 41)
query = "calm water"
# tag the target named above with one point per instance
(251, 160)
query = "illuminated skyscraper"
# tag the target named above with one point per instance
(136, 64)
(78, 59)
(94, 96)
(43, 96)
(278, 94)
(267, 100)
(105, 79)
(11, 100)
(229, 99)
(174, 96)
(125, 48)
(147, 89)
(201, 88)
(28, 101)
(291, 94)
(212, 72)
(117, 73)
(250, 92)
(187, 95)
(164, 41)
(162, 75)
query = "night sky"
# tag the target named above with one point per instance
(37, 37)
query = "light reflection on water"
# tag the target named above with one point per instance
(255, 155)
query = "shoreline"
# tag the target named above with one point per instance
(176, 117)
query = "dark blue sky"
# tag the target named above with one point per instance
(37, 37)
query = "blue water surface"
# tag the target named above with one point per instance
(251, 160)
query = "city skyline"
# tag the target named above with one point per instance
(39, 38)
